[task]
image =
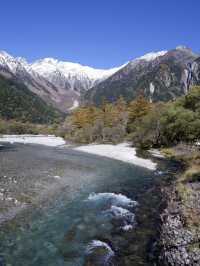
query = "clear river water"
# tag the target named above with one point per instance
(96, 211)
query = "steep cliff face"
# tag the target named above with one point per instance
(195, 72)
(160, 78)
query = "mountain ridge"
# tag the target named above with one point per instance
(158, 76)
(162, 75)
(59, 83)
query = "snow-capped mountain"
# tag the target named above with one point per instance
(70, 75)
(159, 76)
(151, 56)
(57, 82)
(20, 70)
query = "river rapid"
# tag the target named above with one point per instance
(77, 209)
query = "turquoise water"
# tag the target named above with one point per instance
(92, 221)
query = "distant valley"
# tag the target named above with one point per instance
(59, 84)
(159, 76)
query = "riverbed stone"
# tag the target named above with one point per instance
(180, 243)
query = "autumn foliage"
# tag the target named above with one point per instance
(107, 123)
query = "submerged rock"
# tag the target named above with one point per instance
(2, 261)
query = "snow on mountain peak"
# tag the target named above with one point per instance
(22, 60)
(10, 62)
(152, 56)
(48, 65)
(181, 47)
(4, 54)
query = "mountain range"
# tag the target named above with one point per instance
(159, 76)
(57, 83)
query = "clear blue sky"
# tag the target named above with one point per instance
(99, 33)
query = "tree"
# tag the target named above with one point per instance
(137, 109)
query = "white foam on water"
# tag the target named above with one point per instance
(117, 206)
(160, 173)
(121, 212)
(125, 215)
(127, 227)
(119, 200)
(97, 243)
(118, 211)
(94, 245)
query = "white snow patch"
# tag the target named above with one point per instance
(181, 47)
(48, 140)
(73, 68)
(75, 105)
(152, 56)
(152, 88)
(74, 73)
(123, 152)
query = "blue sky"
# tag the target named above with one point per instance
(98, 33)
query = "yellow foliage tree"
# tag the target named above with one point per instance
(137, 109)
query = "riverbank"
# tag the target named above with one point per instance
(180, 220)
(48, 140)
(123, 152)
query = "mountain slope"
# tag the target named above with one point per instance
(18, 102)
(70, 75)
(159, 76)
(57, 83)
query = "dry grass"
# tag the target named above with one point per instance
(168, 152)
(186, 189)
(192, 174)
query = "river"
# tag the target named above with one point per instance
(76, 208)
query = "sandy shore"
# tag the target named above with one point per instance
(123, 152)
(47, 140)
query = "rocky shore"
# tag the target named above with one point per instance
(179, 241)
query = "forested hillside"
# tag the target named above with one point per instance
(19, 103)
